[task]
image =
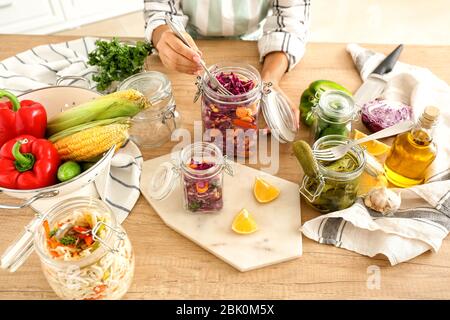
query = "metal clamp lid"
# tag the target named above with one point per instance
(311, 196)
(121, 235)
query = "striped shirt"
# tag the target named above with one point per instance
(278, 25)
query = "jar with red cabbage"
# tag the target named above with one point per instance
(200, 166)
(231, 121)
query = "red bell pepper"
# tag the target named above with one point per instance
(28, 163)
(25, 117)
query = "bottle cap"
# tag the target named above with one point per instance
(430, 116)
(431, 113)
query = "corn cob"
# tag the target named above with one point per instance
(85, 126)
(87, 144)
(126, 103)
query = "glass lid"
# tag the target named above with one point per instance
(279, 116)
(152, 84)
(163, 181)
(337, 105)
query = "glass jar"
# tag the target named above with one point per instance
(232, 121)
(336, 186)
(105, 272)
(200, 167)
(333, 114)
(153, 127)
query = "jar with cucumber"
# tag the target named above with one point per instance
(329, 185)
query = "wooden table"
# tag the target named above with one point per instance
(168, 266)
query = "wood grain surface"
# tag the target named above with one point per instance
(170, 266)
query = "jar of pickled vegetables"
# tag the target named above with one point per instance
(85, 254)
(232, 121)
(200, 167)
(333, 114)
(153, 126)
(336, 185)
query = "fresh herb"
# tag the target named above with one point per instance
(117, 61)
(53, 232)
(194, 206)
(68, 240)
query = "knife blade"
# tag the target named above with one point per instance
(374, 85)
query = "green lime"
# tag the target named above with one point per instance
(305, 157)
(68, 170)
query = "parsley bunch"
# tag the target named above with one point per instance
(117, 61)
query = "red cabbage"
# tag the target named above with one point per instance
(379, 114)
(234, 84)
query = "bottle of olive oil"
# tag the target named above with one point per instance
(413, 152)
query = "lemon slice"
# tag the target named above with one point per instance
(244, 223)
(264, 192)
(374, 147)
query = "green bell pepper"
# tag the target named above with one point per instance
(310, 97)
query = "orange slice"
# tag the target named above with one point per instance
(244, 223)
(374, 147)
(265, 192)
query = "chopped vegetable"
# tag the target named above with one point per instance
(379, 114)
(117, 61)
(202, 194)
(68, 240)
(85, 145)
(233, 116)
(126, 103)
(234, 84)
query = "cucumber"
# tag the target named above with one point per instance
(305, 157)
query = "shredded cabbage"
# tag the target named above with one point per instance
(234, 84)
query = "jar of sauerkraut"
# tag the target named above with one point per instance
(232, 121)
(84, 252)
(200, 167)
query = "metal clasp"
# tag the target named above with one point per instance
(227, 167)
(120, 236)
(169, 114)
(266, 89)
(199, 85)
(311, 197)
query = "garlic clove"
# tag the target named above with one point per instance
(383, 200)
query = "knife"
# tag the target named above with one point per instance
(374, 85)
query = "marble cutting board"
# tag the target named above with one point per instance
(278, 238)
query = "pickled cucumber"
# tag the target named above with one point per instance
(305, 157)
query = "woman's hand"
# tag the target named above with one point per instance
(174, 54)
(275, 66)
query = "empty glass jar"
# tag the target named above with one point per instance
(153, 127)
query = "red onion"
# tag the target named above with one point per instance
(379, 114)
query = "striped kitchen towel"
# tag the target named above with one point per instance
(43, 65)
(420, 225)
(423, 220)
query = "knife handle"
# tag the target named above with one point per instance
(388, 63)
